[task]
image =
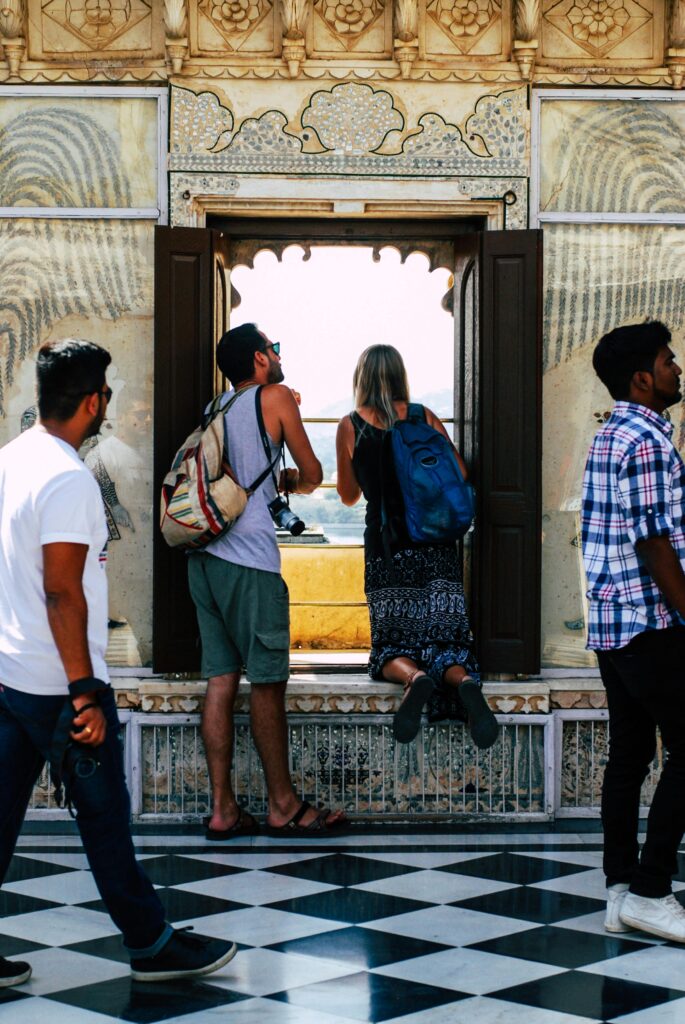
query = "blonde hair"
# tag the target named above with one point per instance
(379, 380)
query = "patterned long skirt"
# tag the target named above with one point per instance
(417, 610)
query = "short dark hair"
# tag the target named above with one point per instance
(627, 350)
(235, 352)
(67, 371)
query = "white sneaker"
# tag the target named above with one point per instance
(664, 917)
(615, 896)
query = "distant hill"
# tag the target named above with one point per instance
(441, 401)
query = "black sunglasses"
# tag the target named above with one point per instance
(276, 346)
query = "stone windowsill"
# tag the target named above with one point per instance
(354, 693)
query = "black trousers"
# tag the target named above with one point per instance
(645, 686)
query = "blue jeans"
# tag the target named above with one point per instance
(97, 789)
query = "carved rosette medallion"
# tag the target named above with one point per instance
(464, 22)
(97, 23)
(235, 20)
(597, 26)
(349, 19)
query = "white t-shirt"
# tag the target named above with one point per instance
(47, 495)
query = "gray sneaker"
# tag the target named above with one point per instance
(616, 895)
(663, 917)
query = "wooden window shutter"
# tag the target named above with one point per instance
(507, 564)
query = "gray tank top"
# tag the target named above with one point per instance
(252, 540)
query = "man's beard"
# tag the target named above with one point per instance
(670, 398)
(276, 375)
(94, 428)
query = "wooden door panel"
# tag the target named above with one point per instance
(184, 372)
(509, 494)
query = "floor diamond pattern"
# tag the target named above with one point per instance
(414, 932)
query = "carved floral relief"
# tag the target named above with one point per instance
(361, 26)
(596, 27)
(349, 17)
(464, 22)
(229, 26)
(73, 26)
(234, 17)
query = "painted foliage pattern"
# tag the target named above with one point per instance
(598, 156)
(598, 276)
(51, 158)
(91, 278)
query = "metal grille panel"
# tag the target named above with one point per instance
(354, 763)
(582, 750)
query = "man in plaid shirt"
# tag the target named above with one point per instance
(634, 554)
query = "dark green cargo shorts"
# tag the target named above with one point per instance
(244, 619)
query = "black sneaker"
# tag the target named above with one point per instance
(184, 956)
(13, 972)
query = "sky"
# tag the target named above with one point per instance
(325, 311)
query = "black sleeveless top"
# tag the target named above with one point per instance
(375, 474)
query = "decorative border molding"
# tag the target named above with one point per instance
(508, 74)
(335, 698)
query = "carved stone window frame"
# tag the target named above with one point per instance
(538, 217)
(195, 196)
(158, 213)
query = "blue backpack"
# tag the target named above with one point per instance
(438, 503)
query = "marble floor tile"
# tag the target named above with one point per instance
(434, 886)
(255, 888)
(261, 926)
(468, 970)
(261, 972)
(395, 928)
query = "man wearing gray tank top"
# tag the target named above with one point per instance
(242, 600)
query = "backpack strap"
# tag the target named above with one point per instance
(219, 405)
(416, 413)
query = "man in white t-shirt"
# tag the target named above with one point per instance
(55, 700)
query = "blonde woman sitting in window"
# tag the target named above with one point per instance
(420, 632)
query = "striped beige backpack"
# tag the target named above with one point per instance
(201, 498)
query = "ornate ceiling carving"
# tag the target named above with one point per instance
(603, 42)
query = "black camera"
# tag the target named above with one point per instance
(284, 517)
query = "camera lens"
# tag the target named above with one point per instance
(285, 518)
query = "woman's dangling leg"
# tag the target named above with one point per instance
(417, 689)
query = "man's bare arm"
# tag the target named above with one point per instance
(280, 401)
(663, 565)
(68, 618)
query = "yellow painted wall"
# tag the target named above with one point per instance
(327, 606)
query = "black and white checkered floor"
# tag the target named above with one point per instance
(417, 929)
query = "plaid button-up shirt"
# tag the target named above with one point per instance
(632, 490)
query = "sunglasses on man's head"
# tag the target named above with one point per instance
(276, 346)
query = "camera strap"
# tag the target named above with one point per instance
(272, 463)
